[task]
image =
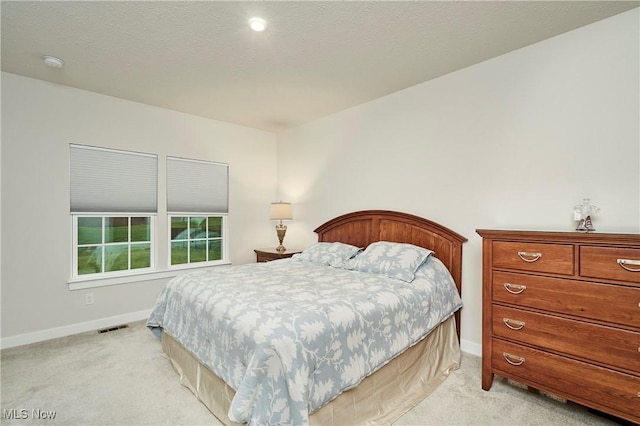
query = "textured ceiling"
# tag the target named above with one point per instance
(314, 59)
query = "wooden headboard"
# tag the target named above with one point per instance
(368, 226)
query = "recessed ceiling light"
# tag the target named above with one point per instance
(52, 61)
(257, 24)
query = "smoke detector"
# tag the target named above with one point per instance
(52, 61)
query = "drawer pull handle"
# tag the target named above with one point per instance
(528, 256)
(624, 262)
(517, 325)
(518, 288)
(518, 359)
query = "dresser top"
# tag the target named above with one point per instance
(560, 236)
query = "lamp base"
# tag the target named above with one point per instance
(281, 229)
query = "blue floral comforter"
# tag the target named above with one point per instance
(289, 335)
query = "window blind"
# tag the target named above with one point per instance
(108, 180)
(195, 186)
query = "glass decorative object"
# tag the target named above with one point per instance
(582, 213)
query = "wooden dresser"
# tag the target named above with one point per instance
(561, 313)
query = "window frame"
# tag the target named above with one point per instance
(160, 242)
(224, 241)
(76, 277)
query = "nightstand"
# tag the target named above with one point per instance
(269, 254)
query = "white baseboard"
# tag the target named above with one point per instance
(471, 347)
(68, 330)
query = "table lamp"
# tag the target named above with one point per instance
(281, 211)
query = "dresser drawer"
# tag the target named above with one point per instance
(551, 258)
(612, 263)
(604, 302)
(602, 388)
(615, 347)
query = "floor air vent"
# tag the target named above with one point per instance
(118, 327)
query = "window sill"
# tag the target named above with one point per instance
(84, 283)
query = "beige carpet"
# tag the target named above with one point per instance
(122, 378)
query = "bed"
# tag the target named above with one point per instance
(329, 340)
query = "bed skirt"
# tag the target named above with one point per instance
(380, 398)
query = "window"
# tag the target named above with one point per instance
(196, 239)
(114, 204)
(113, 207)
(197, 202)
(112, 243)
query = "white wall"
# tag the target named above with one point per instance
(39, 121)
(514, 142)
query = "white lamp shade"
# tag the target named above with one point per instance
(280, 211)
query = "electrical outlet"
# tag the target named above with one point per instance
(88, 298)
